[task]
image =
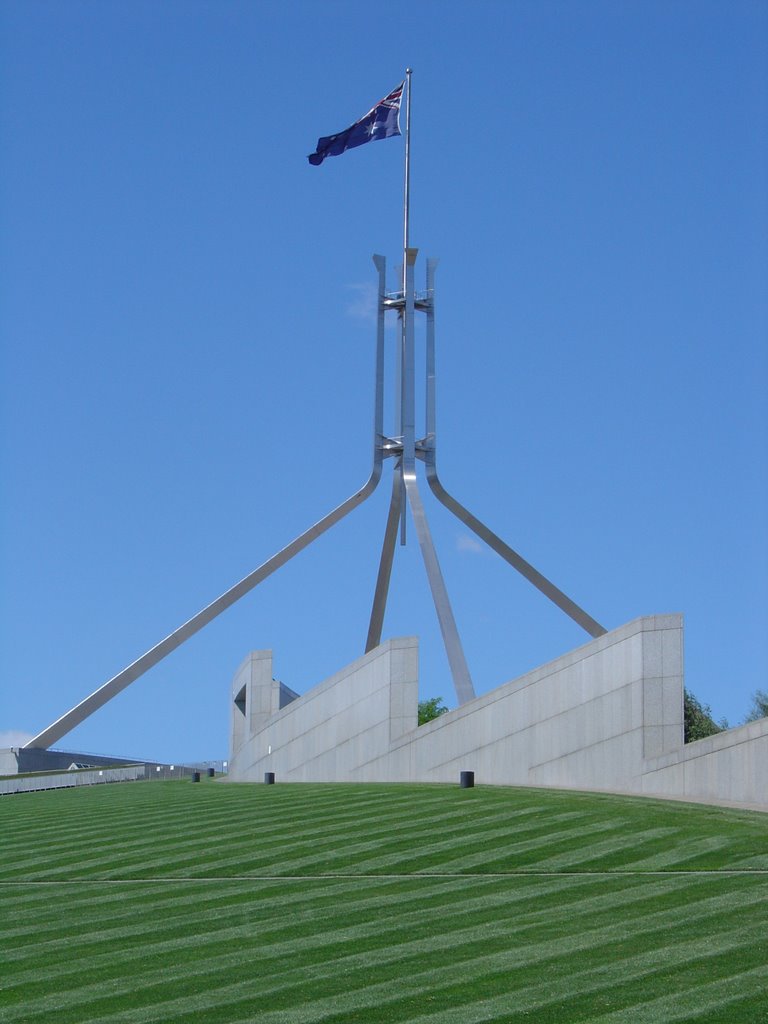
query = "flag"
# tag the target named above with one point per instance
(380, 122)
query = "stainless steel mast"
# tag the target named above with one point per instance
(406, 450)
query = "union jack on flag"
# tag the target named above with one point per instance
(380, 122)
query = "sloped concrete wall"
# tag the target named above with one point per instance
(585, 719)
(607, 716)
(731, 766)
(326, 734)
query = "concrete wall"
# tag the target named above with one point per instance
(606, 716)
(9, 761)
(328, 733)
(730, 767)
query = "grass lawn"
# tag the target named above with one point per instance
(210, 903)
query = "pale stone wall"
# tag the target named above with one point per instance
(326, 734)
(731, 766)
(579, 720)
(607, 716)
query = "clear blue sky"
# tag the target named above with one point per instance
(187, 338)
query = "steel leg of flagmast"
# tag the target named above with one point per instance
(456, 660)
(428, 453)
(394, 447)
(513, 558)
(156, 654)
(108, 690)
(400, 400)
(385, 565)
(462, 680)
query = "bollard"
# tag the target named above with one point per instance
(269, 778)
(467, 780)
(211, 772)
(195, 776)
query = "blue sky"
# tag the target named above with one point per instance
(187, 339)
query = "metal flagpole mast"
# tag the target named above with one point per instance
(407, 184)
(457, 662)
(406, 449)
(404, 340)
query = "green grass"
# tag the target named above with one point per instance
(211, 903)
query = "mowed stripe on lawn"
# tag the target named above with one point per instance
(235, 830)
(411, 947)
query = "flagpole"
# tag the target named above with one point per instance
(407, 187)
(404, 320)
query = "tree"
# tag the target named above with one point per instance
(698, 719)
(432, 708)
(759, 707)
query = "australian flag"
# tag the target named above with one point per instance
(379, 123)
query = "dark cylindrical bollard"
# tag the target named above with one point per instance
(467, 780)
(195, 776)
(269, 778)
(211, 772)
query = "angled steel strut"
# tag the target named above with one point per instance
(113, 686)
(406, 450)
